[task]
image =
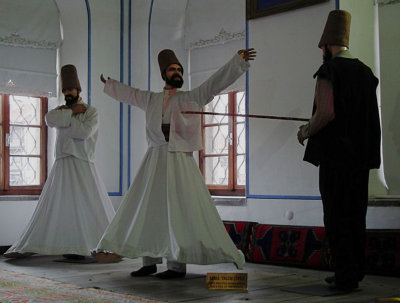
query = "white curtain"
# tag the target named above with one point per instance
(30, 34)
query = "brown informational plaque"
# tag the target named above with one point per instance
(226, 281)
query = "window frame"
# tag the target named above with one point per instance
(232, 189)
(5, 188)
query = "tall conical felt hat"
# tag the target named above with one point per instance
(165, 58)
(337, 29)
(69, 78)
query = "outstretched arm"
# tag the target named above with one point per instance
(125, 93)
(224, 77)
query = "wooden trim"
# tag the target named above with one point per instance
(235, 141)
(6, 128)
(214, 124)
(43, 142)
(21, 191)
(231, 189)
(201, 152)
(226, 192)
(5, 188)
(215, 155)
(231, 147)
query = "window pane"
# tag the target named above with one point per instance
(216, 170)
(241, 170)
(217, 139)
(24, 110)
(24, 171)
(240, 106)
(241, 138)
(218, 105)
(24, 140)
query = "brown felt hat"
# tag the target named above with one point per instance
(69, 78)
(165, 58)
(337, 29)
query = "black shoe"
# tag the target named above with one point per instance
(18, 255)
(144, 271)
(344, 287)
(171, 274)
(73, 257)
(330, 279)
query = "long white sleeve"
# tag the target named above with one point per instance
(59, 118)
(220, 80)
(83, 126)
(127, 94)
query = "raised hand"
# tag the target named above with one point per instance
(102, 79)
(247, 54)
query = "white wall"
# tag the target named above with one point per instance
(281, 84)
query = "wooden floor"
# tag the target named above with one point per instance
(265, 282)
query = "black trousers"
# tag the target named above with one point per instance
(344, 192)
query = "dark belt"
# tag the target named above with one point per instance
(165, 129)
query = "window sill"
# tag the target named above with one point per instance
(19, 198)
(229, 200)
(242, 201)
(384, 202)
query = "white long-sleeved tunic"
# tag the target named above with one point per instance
(74, 208)
(168, 211)
(76, 134)
(185, 131)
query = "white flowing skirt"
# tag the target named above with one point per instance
(168, 212)
(72, 213)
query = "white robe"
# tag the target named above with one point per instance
(168, 211)
(74, 208)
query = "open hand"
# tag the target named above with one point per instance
(247, 54)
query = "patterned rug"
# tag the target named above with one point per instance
(305, 246)
(18, 288)
(240, 232)
(302, 246)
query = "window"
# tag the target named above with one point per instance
(23, 141)
(223, 159)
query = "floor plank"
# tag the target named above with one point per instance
(265, 282)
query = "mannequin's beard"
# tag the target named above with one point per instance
(70, 100)
(177, 83)
(327, 56)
